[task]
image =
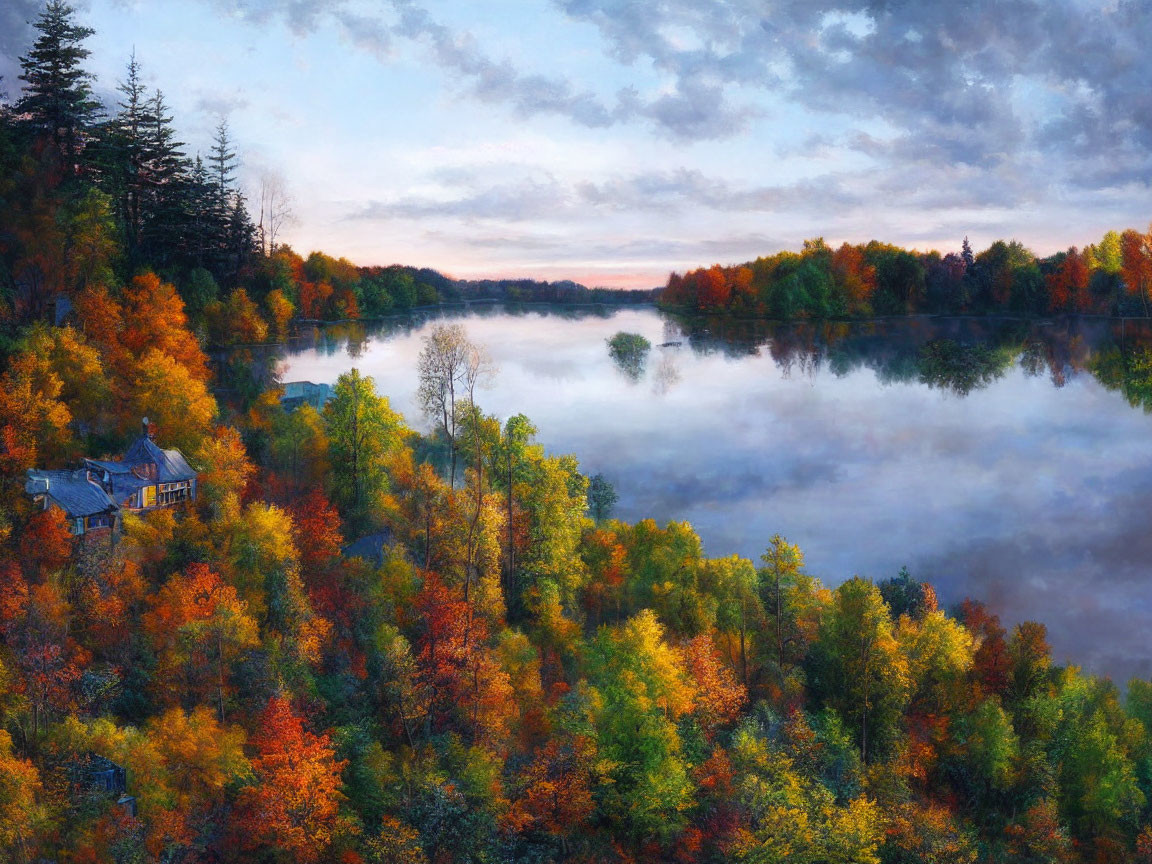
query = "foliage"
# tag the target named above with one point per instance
(494, 669)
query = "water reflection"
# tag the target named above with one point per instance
(998, 459)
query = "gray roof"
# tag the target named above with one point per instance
(72, 490)
(370, 547)
(110, 467)
(171, 465)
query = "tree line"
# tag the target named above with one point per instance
(1111, 277)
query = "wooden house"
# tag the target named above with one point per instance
(89, 508)
(92, 497)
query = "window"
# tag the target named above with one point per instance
(174, 493)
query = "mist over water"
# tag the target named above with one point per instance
(1004, 470)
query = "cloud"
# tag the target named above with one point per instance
(922, 186)
(528, 200)
(692, 110)
(975, 83)
(559, 246)
(221, 104)
(531, 199)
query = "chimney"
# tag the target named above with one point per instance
(148, 431)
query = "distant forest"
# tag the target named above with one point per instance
(94, 195)
(1111, 277)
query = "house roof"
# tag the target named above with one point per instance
(110, 467)
(170, 464)
(72, 490)
(370, 547)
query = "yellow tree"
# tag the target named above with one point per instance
(179, 765)
(34, 422)
(173, 398)
(281, 310)
(790, 816)
(21, 814)
(65, 353)
(1136, 263)
(224, 467)
(939, 652)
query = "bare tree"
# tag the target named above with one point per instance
(451, 368)
(275, 210)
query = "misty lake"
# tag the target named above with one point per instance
(986, 455)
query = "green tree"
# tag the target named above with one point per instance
(602, 497)
(859, 669)
(783, 565)
(734, 583)
(362, 430)
(57, 89)
(791, 816)
(640, 689)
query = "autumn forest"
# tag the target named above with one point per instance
(347, 640)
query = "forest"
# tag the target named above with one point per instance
(359, 643)
(1109, 277)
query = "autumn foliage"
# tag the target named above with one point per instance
(367, 645)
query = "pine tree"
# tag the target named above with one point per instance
(167, 217)
(966, 254)
(241, 235)
(130, 129)
(198, 201)
(58, 93)
(221, 203)
(223, 159)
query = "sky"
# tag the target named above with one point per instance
(612, 141)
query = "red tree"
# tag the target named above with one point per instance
(294, 804)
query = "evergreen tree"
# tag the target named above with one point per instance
(966, 255)
(167, 216)
(241, 235)
(129, 132)
(223, 231)
(223, 160)
(57, 93)
(198, 200)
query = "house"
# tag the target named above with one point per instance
(146, 476)
(92, 497)
(96, 777)
(373, 548)
(89, 507)
(297, 393)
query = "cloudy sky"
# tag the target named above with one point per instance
(613, 140)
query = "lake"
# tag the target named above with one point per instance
(985, 455)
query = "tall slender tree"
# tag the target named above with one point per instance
(129, 132)
(167, 220)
